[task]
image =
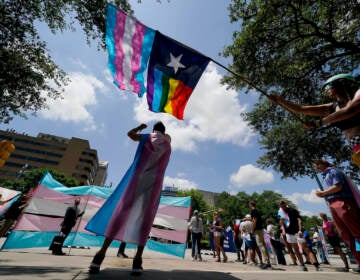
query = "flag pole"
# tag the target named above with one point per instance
(244, 79)
(79, 221)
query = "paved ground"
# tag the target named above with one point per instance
(38, 263)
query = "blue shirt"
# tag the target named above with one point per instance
(333, 176)
(307, 239)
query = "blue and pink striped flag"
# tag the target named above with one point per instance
(129, 43)
(172, 69)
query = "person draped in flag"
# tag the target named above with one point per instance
(343, 205)
(128, 214)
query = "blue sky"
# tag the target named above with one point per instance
(213, 148)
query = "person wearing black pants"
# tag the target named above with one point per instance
(71, 215)
(121, 251)
(274, 233)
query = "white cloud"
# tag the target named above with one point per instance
(213, 113)
(308, 213)
(311, 197)
(250, 175)
(180, 183)
(78, 95)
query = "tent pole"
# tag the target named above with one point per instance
(79, 221)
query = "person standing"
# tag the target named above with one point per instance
(342, 204)
(246, 227)
(258, 230)
(128, 214)
(333, 239)
(318, 245)
(238, 241)
(197, 231)
(218, 235)
(306, 244)
(71, 215)
(275, 233)
(13, 213)
(292, 229)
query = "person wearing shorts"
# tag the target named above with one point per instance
(249, 237)
(292, 230)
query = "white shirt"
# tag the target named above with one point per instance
(196, 225)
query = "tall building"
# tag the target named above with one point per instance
(101, 174)
(73, 157)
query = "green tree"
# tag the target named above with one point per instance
(26, 68)
(268, 203)
(197, 200)
(290, 48)
(33, 177)
(310, 222)
(237, 206)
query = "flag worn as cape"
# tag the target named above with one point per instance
(129, 44)
(174, 71)
(129, 212)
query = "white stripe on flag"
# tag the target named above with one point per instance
(130, 27)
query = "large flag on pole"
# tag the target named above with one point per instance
(172, 68)
(129, 43)
(173, 73)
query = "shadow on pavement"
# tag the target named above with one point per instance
(112, 274)
(31, 270)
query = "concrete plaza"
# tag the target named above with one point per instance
(38, 263)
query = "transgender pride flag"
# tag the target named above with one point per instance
(129, 43)
(172, 68)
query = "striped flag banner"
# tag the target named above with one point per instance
(41, 219)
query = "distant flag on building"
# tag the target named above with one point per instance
(173, 70)
(129, 43)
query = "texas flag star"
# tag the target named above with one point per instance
(175, 62)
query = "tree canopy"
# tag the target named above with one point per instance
(197, 200)
(28, 74)
(290, 48)
(237, 206)
(31, 179)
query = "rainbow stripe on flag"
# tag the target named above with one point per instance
(173, 73)
(173, 70)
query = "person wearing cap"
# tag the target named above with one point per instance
(344, 113)
(197, 231)
(343, 205)
(246, 227)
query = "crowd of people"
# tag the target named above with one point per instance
(284, 235)
(136, 199)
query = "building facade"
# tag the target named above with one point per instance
(73, 157)
(101, 174)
